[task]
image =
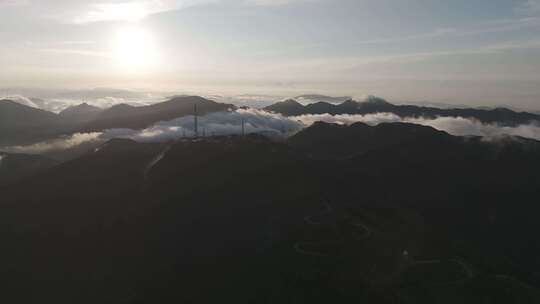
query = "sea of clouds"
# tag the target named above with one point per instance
(273, 125)
(458, 126)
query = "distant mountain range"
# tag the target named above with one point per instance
(80, 113)
(373, 105)
(126, 116)
(20, 124)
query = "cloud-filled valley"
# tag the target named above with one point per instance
(220, 123)
(270, 124)
(458, 126)
(214, 124)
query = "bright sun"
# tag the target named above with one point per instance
(135, 48)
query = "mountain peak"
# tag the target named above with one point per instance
(350, 104)
(183, 98)
(290, 102)
(289, 107)
(371, 99)
(81, 108)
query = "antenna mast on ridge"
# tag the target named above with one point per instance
(196, 121)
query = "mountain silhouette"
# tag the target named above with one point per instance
(13, 114)
(289, 107)
(125, 116)
(80, 113)
(324, 140)
(21, 124)
(308, 217)
(374, 105)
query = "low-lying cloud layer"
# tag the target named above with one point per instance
(273, 125)
(347, 119)
(56, 144)
(220, 123)
(458, 126)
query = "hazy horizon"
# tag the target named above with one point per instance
(485, 53)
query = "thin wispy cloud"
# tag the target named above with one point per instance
(59, 144)
(77, 42)
(353, 63)
(140, 9)
(83, 12)
(78, 52)
(125, 11)
(495, 26)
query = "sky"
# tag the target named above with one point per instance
(466, 52)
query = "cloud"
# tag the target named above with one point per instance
(313, 98)
(220, 123)
(347, 119)
(495, 26)
(441, 32)
(125, 11)
(274, 125)
(20, 99)
(458, 126)
(85, 12)
(353, 63)
(56, 144)
(136, 10)
(463, 127)
(84, 53)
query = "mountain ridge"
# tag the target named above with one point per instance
(20, 124)
(373, 105)
(247, 206)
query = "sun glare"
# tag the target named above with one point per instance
(135, 48)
